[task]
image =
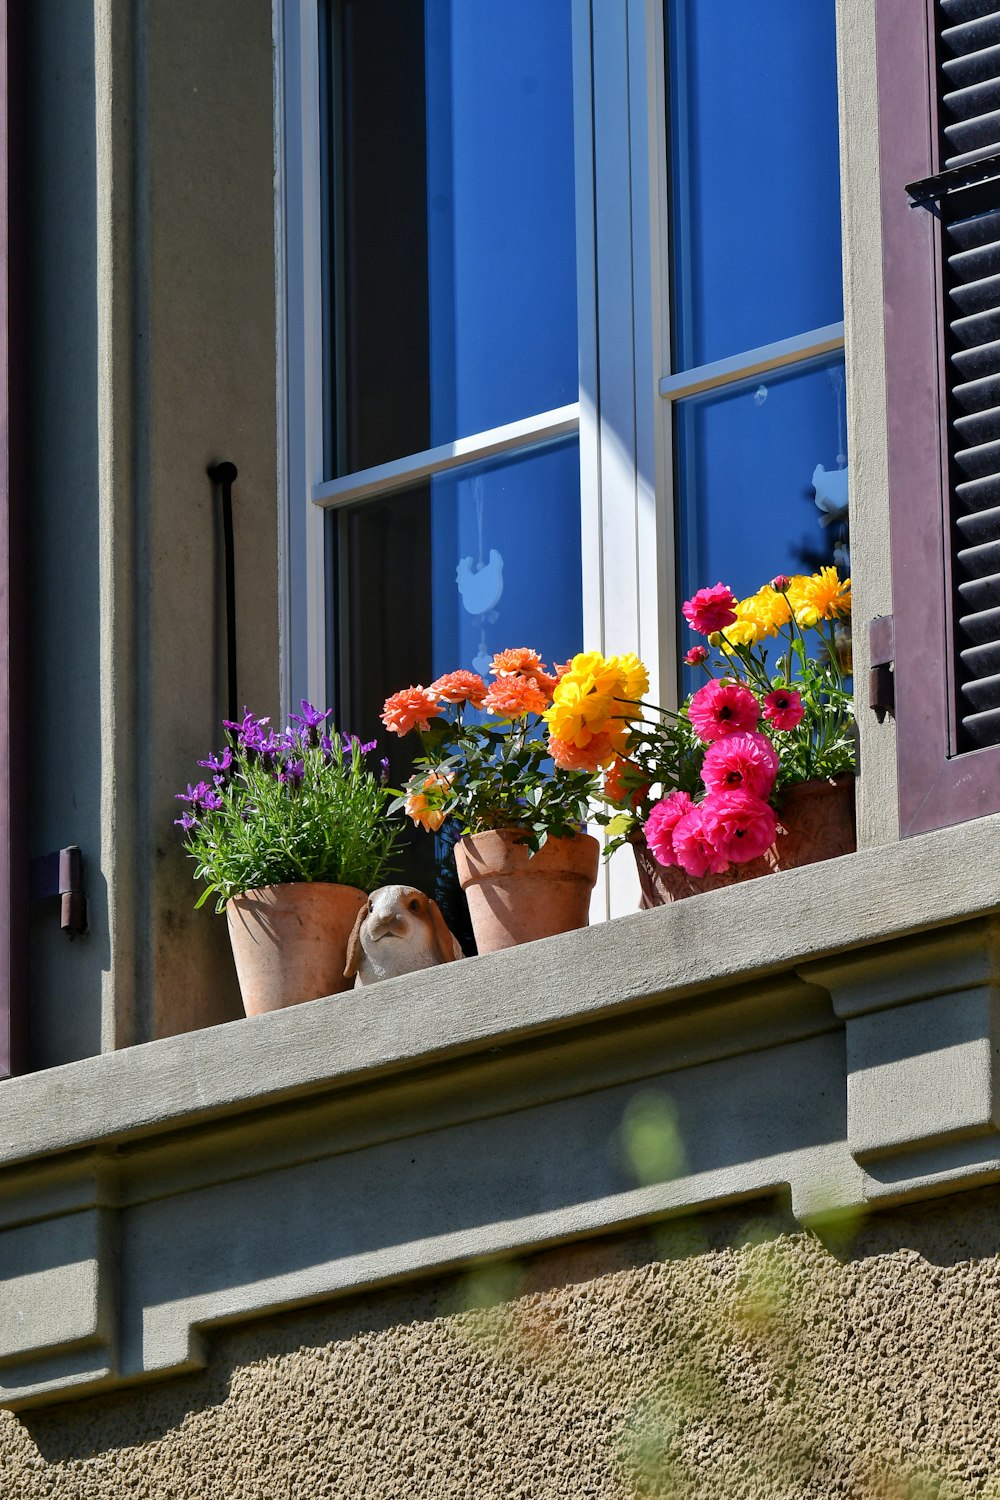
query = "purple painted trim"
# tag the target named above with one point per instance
(13, 600)
(936, 787)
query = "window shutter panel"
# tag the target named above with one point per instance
(969, 79)
(13, 735)
(939, 159)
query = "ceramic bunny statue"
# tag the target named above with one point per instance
(398, 931)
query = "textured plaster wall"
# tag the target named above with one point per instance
(153, 353)
(735, 1356)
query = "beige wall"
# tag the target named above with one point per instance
(153, 355)
(733, 1356)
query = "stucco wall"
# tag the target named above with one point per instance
(735, 1355)
(153, 354)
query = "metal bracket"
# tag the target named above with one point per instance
(61, 874)
(881, 681)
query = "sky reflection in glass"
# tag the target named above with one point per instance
(754, 173)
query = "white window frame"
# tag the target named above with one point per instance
(624, 416)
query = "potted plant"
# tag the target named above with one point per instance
(518, 795)
(754, 774)
(289, 833)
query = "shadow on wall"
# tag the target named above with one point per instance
(734, 1354)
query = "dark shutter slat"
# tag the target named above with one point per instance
(980, 525)
(954, 11)
(969, 55)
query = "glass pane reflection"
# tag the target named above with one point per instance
(451, 221)
(754, 174)
(762, 479)
(445, 574)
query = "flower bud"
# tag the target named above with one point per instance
(715, 639)
(781, 584)
(696, 656)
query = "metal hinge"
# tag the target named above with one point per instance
(881, 681)
(61, 874)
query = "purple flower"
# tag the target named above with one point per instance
(384, 764)
(218, 763)
(309, 721)
(247, 730)
(186, 821)
(211, 801)
(194, 794)
(292, 772)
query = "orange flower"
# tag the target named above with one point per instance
(418, 807)
(460, 687)
(516, 659)
(615, 788)
(514, 697)
(545, 682)
(591, 757)
(410, 708)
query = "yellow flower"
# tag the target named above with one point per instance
(594, 697)
(803, 608)
(830, 595)
(749, 628)
(770, 608)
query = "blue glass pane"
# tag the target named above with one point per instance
(762, 480)
(755, 187)
(446, 574)
(451, 221)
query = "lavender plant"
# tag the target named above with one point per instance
(283, 807)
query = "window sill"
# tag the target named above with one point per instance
(810, 1044)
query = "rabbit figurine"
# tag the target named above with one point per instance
(397, 931)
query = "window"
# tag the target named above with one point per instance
(560, 347)
(939, 78)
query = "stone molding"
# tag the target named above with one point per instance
(800, 1036)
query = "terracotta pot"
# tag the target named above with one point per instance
(290, 942)
(815, 821)
(516, 899)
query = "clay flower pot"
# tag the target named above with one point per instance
(815, 821)
(514, 896)
(290, 942)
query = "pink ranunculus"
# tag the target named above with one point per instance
(745, 760)
(660, 825)
(696, 656)
(721, 708)
(710, 609)
(783, 709)
(740, 826)
(693, 847)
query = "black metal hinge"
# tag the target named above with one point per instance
(61, 874)
(881, 682)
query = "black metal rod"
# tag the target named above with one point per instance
(223, 475)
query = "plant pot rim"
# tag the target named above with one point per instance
(294, 885)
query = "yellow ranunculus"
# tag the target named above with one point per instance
(596, 696)
(803, 607)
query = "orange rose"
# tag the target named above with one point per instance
(460, 687)
(591, 757)
(515, 697)
(410, 708)
(420, 809)
(517, 659)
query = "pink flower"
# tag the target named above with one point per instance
(694, 850)
(662, 821)
(748, 761)
(696, 656)
(739, 826)
(783, 708)
(781, 584)
(710, 609)
(721, 708)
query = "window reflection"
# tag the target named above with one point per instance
(762, 479)
(451, 221)
(754, 174)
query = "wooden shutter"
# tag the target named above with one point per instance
(939, 130)
(14, 730)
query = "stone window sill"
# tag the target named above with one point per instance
(826, 1035)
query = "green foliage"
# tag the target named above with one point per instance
(496, 774)
(276, 827)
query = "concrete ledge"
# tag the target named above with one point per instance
(489, 1108)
